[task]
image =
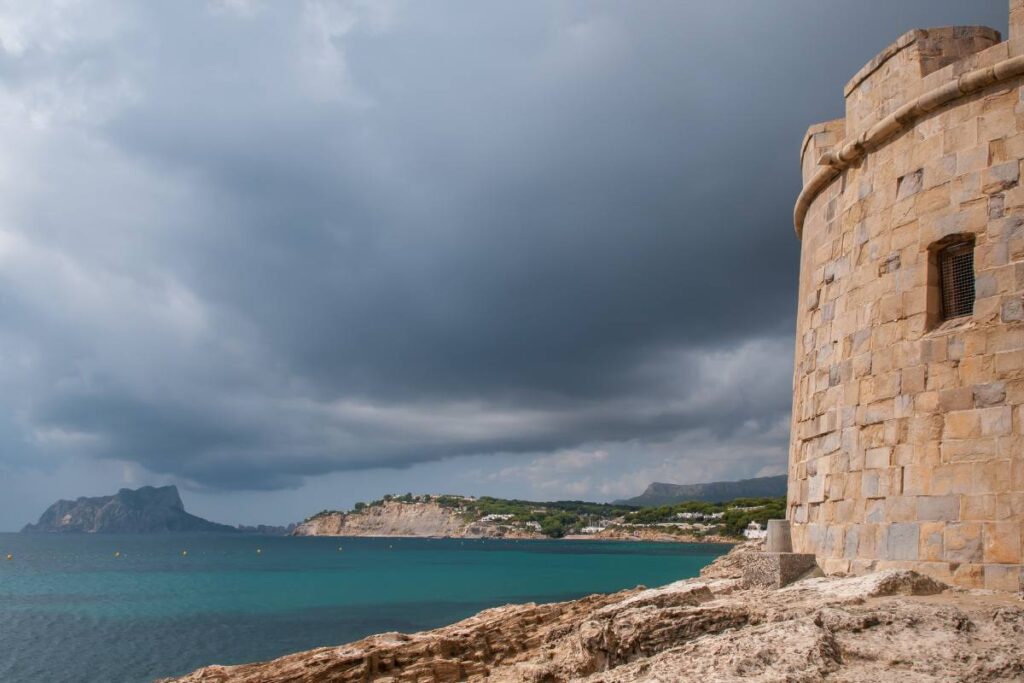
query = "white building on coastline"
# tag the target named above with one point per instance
(754, 530)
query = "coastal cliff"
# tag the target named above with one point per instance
(885, 626)
(141, 511)
(396, 518)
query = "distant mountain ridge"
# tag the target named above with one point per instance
(146, 510)
(660, 493)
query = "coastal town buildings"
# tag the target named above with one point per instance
(755, 531)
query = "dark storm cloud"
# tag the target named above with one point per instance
(250, 242)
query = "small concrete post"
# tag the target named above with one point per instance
(779, 540)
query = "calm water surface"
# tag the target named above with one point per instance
(71, 611)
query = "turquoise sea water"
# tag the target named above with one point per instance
(72, 611)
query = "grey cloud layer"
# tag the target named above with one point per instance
(247, 242)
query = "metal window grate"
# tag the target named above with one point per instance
(956, 269)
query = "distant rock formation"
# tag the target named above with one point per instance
(716, 492)
(147, 510)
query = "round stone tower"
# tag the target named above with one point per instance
(907, 442)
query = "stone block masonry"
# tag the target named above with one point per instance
(907, 447)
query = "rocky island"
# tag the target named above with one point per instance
(145, 510)
(891, 625)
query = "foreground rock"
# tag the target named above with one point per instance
(146, 510)
(895, 625)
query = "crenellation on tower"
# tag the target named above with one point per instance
(1016, 20)
(897, 74)
(907, 446)
(820, 138)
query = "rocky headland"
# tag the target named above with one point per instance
(892, 625)
(417, 519)
(141, 511)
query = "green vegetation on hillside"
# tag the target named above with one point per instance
(735, 515)
(556, 519)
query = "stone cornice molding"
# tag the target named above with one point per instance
(853, 150)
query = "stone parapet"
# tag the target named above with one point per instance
(843, 154)
(895, 75)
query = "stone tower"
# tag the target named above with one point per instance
(907, 445)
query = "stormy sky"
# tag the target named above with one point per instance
(290, 255)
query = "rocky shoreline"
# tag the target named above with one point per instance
(885, 626)
(650, 536)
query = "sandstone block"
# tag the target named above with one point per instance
(969, 575)
(1001, 177)
(1002, 542)
(870, 484)
(962, 424)
(996, 421)
(1004, 577)
(1012, 309)
(900, 509)
(954, 478)
(938, 508)
(959, 450)
(931, 541)
(912, 380)
(960, 398)
(874, 511)
(916, 480)
(910, 184)
(988, 395)
(976, 508)
(962, 542)
(816, 488)
(877, 458)
(991, 476)
(902, 541)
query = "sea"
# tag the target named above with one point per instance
(135, 608)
